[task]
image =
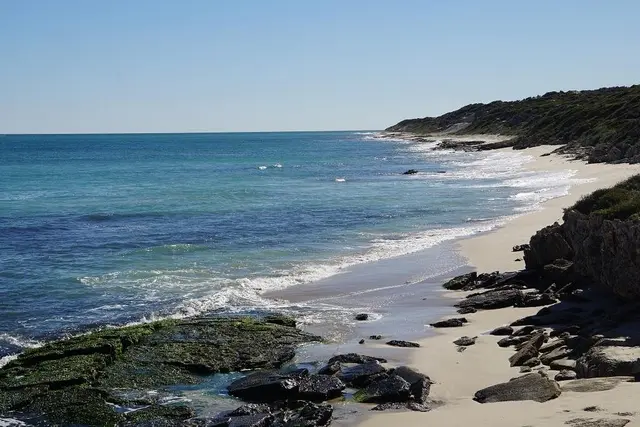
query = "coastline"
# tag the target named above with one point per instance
(458, 375)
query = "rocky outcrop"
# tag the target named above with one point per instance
(601, 361)
(79, 380)
(606, 251)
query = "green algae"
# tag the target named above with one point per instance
(74, 381)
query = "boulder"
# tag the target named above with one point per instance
(534, 386)
(520, 248)
(565, 375)
(502, 330)
(533, 362)
(390, 388)
(304, 414)
(400, 343)
(330, 369)
(525, 330)
(450, 323)
(465, 341)
(461, 282)
(264, 387)
(525, 369)
(318, 388)
(410, 172)
(492, 299)
(419, 384)
(563, 365)
(609, 362)
(509, 341)
(362, 316)
(552, 345)
(355, 358)
(375, 337)
(467, 310)
(528, 351)
(362, 374)
(558, 353)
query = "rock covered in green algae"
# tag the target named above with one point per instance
(74, 381)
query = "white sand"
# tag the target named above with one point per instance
(458, 376)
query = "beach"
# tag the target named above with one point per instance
(458, 375)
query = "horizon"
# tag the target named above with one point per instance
(206, 67)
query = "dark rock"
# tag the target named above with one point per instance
(450, 323)
(362, 374)
(525, 330)
(528, 351)
(355, 358)
(362, 316)
(565, 375)
(536, 300)
(534, 386)
(391, 388)
(399, 343)
(264, 387)
(546, 246)
(467, 310)
(525, 369)
(533, 362)
(492, 299)
(304, 414)
(570, 330)
(318, 388)
(361, 341)
(465, 341)
(420, 384)
(552, 345)
(519, 248)
(330, 369)
(502, 330)
(609, 362)
(509, 341)
(375, 337)
(410, 172)
(461, 282)
(560, 271)
(555, 354)
(563, 365)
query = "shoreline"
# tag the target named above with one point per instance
(458, 375)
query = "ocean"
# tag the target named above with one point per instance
(111, 229)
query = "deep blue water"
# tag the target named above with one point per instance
(99, 229)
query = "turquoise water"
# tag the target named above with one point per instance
(110, 229)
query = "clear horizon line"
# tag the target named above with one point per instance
(189, 132)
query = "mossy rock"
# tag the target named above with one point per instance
(73, 381)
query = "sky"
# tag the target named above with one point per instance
(90, 66)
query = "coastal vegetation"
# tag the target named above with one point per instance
(600, 125)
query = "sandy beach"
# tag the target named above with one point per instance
(458, 375)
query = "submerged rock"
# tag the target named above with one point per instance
(410, 172)
(362, 316)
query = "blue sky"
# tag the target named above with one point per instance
(240, 65)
